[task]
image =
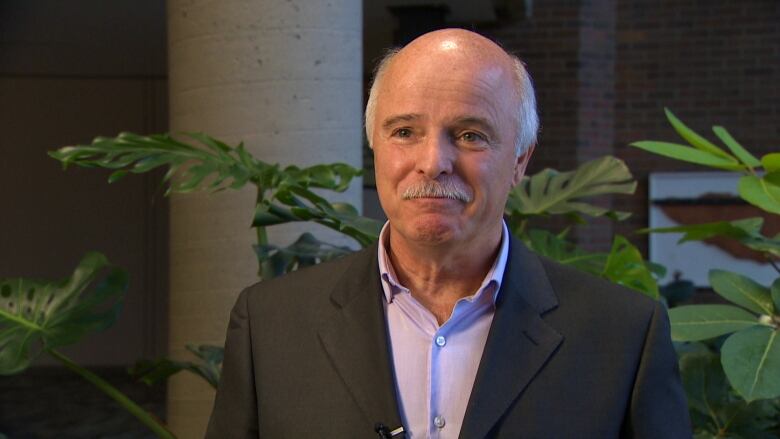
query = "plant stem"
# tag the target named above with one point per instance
(145, 417)
(265, 270)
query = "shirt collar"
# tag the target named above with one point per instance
(392, 286)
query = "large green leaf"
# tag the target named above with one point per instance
(705, 383)
(716, 411)
(208, 366)
(694, 138)
(742, 290)
(760, 192)
(738, 229)
(701, 322)
(775, 292)
(626, 267)
(553, 192)
(208, 163)
(771, 162)
(688, 154)
(747, 231)
(751, 360)
(738, 150)
(556, 247)
(295, 203)
(37, 315)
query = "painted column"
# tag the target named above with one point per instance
(285, 77)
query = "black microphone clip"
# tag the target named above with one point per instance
(384, 431)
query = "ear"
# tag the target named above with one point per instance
(520, 165)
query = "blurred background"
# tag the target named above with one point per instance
(289, 78)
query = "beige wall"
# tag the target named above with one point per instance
(70, 71)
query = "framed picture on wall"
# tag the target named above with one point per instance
(683, 198)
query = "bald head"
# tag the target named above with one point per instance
(448, 50)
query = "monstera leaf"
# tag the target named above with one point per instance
(553, 192)
(208, 366)
(296, 203)
(37, 315)
(208, 163)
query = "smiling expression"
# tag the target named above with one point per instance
(443, 139)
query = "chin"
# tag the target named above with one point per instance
(430, 232)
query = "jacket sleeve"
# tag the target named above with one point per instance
(659, 408)
(235, 409)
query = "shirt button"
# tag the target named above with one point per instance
(441, 341)
(438, 421)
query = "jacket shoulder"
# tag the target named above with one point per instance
(576, 287)
(312, 283)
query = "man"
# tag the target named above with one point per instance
(448, 327)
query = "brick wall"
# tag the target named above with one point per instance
(711, 62)
(605, 69)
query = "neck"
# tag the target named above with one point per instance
(439, 275)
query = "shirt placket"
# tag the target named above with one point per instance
(437, 419)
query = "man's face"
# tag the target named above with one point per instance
(449, 119)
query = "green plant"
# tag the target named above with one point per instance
(750, 354)
(42, 316)
(207, 367)
(285, 195)
(715, 408)
(550, 192)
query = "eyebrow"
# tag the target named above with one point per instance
(400, 118)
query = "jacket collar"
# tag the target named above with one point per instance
(356, 342)
(519, 343)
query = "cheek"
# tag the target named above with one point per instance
(390, 166)
(492, 179)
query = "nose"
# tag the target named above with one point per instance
(436, 156)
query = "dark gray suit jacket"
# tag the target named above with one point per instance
(567, 356)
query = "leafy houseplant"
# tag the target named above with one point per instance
(550, 192)
(285, 195)
(39, 316)
(750, 352)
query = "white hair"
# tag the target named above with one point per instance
(526, 117)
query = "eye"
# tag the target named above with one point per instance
(403, 133)
(472, 138)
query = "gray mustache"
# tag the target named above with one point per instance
(435, 189)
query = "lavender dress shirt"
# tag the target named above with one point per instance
(435, 366)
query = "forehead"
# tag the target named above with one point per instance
(447, 84)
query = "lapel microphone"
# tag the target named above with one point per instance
(384, 431)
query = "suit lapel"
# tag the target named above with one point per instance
(355, 339)
(519, 343)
